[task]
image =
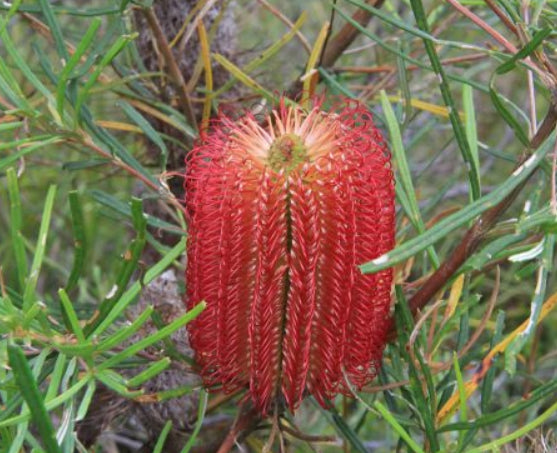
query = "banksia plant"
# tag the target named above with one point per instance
(281, 212)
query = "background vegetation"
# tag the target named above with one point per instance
(99, 102)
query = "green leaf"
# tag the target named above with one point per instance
(365, 31)
(203, 398)
(398, 428)
(499, 104)
(124, 209)
(27, 384)
(70, 316)
(122, 334)
(135, 289)
(536, 40)
(452, 222)
(470, 127)
(82, 47)
(154, 338)
(487, 384)
(151, 371)
(147, 129)
(80, 241)
(110, 54)
(458, 129)
(162, 437)
(54, 29)
(407, 185)
(16, 224)
(31, 283)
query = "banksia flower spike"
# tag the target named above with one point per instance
(281, 213)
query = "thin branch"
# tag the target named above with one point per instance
(329, 32)
(247, 420)
(303, 40)
(502, 16)
(495, 35)
(346, 35)
(175, 73)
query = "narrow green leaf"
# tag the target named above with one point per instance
(332, 82)
(16, 224)
(56, 377)
(452, 222)
(29, 145)
(27, 384)
(135, 289)
(399, 155)
(31, 283)
(462, 394)
(385, 413)
(80, 242)
(116, 383)
(346, 431)
(50, 404)
(70, 316)
(470, 127)
(154, 338)
(532, 45)
(110, 54)
(546, 260)
(86, 401)
(130, 262)
(66, 10)
(546, 390)
(122, 334)
(367, 32)
(150, 372)
(147, 129)
(522, 431)
(70, 64)
(458, 129)
(54, 29)
(487, 384)
(499, 104)
(124, 209)
(19, 61)
(162, 437)
(203, 398)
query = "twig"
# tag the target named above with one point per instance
(329, 32)
(494, 34)
(412, 67)
(247, 420)
(346, 35)
(305, 43)
(474, 236)
(502, 16)
(295, 432)
(175, 73)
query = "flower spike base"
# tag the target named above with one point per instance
(280, 215)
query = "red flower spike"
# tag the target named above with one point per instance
(280, 216)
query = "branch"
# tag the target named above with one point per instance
(346, 35)
(175, 73)
(474, 236)
(247, 421)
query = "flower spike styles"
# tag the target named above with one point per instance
(280, 214)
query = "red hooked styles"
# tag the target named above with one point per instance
(280, 214)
